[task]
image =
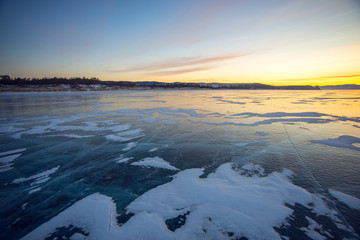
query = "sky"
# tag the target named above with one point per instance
(278, 42)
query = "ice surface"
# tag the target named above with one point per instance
(225, 205)
(344, 141)
(190, 129)
(155, 162)
(349, 200)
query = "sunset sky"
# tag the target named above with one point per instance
(293, 42)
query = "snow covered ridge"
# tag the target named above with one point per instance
(225, 205)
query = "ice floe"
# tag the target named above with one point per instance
(349, 200)
(155, 162)
(344, 141)
(225, 205)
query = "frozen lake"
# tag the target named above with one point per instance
(200, 164)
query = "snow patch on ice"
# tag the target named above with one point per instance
(232, 102)
(24, 206)
(153, 149)
(78, 236)
(314, 229)
(12, 152)
(349, 200)
(72, 136)
(251, 170)
(155, 162)
(262, 133)
(262, 140)
(344, 141)
(57, 125)
(123, 159)
(6, 158)
(129, 146)
(126, 135)
(225, 205)
(9, 129)
(37, 179)
(153, 119)
(33, 190)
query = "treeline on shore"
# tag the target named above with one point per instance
(77, 82)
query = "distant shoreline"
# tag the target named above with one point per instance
(94, 84)
(58, 88)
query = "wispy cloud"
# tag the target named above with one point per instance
(162, 68)
(343, 76)
(322, 78)
(175, 72)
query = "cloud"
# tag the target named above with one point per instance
(343, 76)
(175, 72)
(161, 68)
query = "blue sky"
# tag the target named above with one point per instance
(275, 42)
